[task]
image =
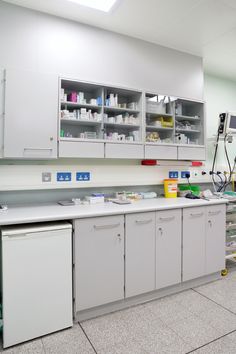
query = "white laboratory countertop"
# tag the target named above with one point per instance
(51, 212)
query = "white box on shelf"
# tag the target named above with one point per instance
(156, 107)
(95, 200)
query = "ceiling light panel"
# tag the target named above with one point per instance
(102, 5)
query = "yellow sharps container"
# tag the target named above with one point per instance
(170, 187)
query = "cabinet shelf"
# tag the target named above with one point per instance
(121, 110)
(158, 143)
(110, 102)
(80, 122)
(178, 117)
(153, 127)
(151, 114)
(138, 142)
(187, 131)
(79, 105)
(231, 226)
(98, 140)
(128, 126)
(189, 145)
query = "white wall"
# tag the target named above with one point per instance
(36, 41)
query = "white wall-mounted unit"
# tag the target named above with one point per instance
(113, 118)
(109, 116)
(174, 128)
(30, 125)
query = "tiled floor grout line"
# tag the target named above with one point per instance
(212, 341)
(179, 337)
(44, 349)
(225, 308)
(87, 337)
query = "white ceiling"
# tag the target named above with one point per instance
(202, 27)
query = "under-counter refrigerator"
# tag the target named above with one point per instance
(36, 280)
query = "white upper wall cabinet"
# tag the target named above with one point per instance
(95, 120)
(124, 126)
(92, 114)
(174, 128)
(31, 109)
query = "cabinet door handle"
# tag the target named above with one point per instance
(160, 229)
(210, 223)
(109, 226)
(214, 212)
(35, 149)
(31, 152)
(167, 219)
(196, 215)
(143, 221)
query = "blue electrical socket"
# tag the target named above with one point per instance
(63, 176)
(173, 174)
(184, 173)
(82, 176)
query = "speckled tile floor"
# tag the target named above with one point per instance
(200, 320)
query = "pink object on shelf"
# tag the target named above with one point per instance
(72, 97)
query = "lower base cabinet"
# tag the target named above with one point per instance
(193, 243)
(139, 253)
(203, 241)
(215, 238)
(99, 261)
(124, 256)
(168, 248)
(152, 251)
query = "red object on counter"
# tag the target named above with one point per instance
(196, 163)
(149, 162)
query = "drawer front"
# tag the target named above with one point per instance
(160, 152)
(81, 149)
(124, 151)
(191, 153)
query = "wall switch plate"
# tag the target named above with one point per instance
(173, 174)
(46, 177)
(184, 173)
(63, 176)
(82, 176)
